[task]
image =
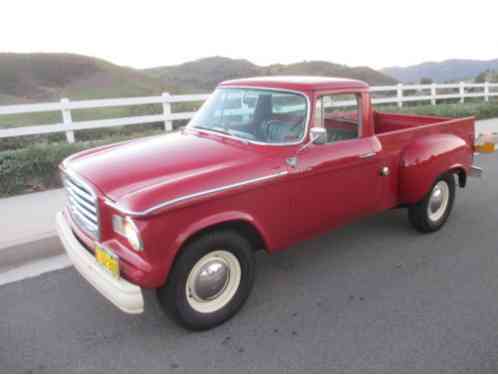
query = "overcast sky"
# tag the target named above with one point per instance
(144, 33)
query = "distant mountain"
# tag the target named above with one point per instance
(50, 76)
(204, 74)
(449, 70)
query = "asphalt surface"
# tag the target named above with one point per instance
(375, 295)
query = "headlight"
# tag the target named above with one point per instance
(128, 229)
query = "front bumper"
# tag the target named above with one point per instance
(124, 295)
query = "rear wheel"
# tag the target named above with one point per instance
(210, 281)
(431, 213)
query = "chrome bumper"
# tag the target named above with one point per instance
(124, 295)
(475, 172)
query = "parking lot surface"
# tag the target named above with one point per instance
(375, 295)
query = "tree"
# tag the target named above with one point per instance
(482, 77)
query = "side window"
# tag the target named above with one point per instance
(340, 115)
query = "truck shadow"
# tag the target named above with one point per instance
(339, 250)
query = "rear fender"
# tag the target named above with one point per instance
(428, 158)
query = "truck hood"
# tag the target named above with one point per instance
(139, 174)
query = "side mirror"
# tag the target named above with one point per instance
(318, 136)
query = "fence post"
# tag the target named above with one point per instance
(400, 95)
(67, 119)
(168, 124)
(486, 91)
(433, 94)
(462, 92)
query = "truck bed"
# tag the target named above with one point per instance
(388, 122)
(401, 128)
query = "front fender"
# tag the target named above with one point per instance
(426, 159)
(207, 222)
(216, 219)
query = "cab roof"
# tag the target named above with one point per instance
(298, 83)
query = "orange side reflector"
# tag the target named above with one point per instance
(486, 148)
(486, 143)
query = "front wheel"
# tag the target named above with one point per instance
(431, 213)
(210, 281)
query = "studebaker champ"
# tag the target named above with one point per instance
(266, 162)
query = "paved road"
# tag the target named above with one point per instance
(374, 295)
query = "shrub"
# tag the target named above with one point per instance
(35, 168)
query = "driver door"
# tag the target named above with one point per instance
(337, 181)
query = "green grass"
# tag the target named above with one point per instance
(481, 110)
(48, 118)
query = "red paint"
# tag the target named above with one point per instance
(330, 186)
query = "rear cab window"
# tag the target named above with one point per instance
(340, 115)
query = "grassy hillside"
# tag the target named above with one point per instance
(47, 77)
(40, 77)
(205, 74)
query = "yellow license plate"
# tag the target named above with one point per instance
(108, 260)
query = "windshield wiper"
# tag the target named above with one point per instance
(215, 129)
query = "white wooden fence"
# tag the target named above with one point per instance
(381, 95)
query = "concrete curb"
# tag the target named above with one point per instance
(29, 235)
(14, 255)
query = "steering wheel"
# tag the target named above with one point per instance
(267, 126)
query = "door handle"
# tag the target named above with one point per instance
(368, 155)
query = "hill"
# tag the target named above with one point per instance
(444, 71)
(39, 77)
(204, 74)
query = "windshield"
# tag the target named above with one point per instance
(266, 116)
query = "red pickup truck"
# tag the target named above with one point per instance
(266, 162)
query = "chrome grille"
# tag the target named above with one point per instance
(82, 203)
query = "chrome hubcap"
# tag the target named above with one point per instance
(438, 201)
(213, 281)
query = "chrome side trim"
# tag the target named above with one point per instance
(306, 127)
(368, 155)
(184, 198)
